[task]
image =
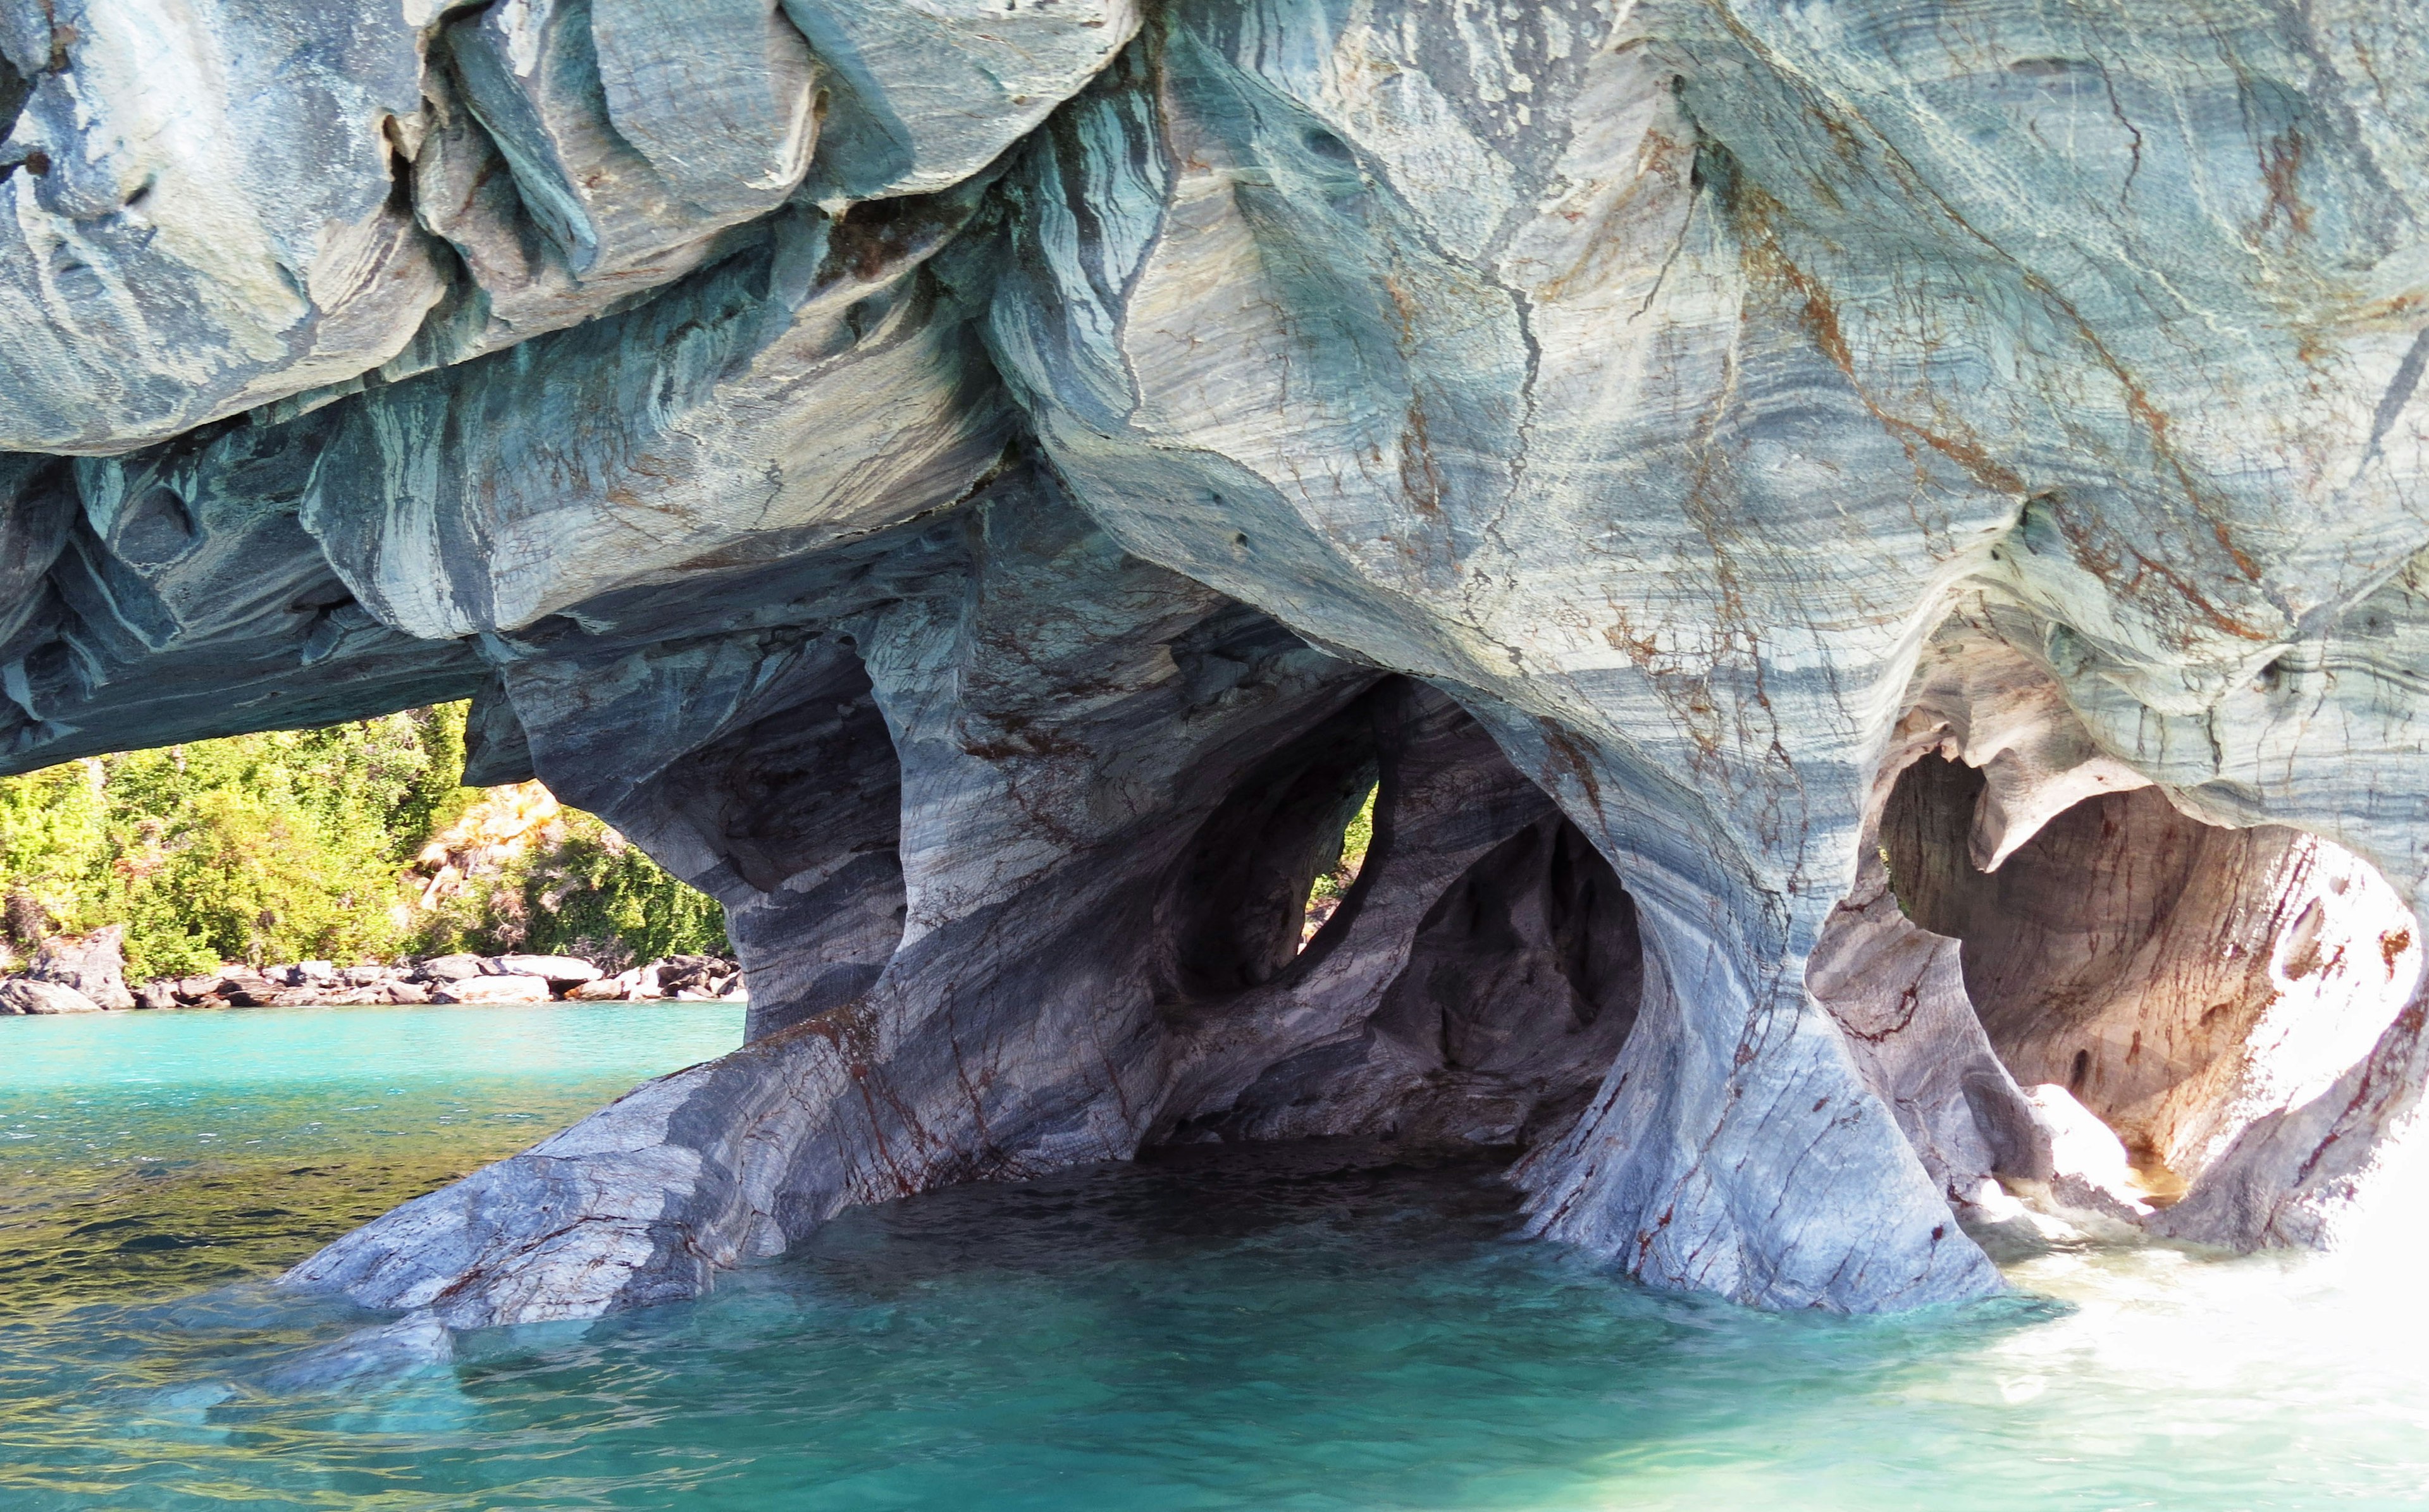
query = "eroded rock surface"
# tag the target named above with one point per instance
(1872, 555)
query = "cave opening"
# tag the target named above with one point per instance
(1522, 984)
(1241, 908)
(1334, 882)
(1466, 980)
(15, 89)
(2173, 979)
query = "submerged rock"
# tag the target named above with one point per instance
(1867, 563)
(492, 990)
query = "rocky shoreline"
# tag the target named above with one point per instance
(87, 975)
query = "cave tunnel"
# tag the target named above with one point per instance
(1476, 975)
(2178, 979)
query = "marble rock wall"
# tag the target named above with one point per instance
(984, 488)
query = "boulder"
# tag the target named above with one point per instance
(492, 990)
(404, 992)
(558, 970)
(605, 990)
(696, 974)
(157, 995)
(246, 987)
(2093, 1185)
(94, 964)
(308, 972)
(25, 995)
(451, 968)
(366, 976)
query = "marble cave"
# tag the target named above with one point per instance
(1873, 557)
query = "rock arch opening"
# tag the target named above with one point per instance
(2144, 974)
(1240, 905)
(1335, 882)
(1472, 980)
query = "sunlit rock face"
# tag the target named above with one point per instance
(1871, 552)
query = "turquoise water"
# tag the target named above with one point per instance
(1312, 1327)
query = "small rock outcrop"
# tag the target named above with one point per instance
(1871, 563)
(24, 994)
(93, 964)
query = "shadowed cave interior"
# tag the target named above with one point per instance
(1489, 999)
(1015, 915)
(1475, 982)
(2178, 979)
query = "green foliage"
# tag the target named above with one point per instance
(587, 892)
(293, 844)
(1356, 837)
(54, 832)
(432, 798)
(596, 890)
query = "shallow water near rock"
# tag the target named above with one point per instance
(1313, 1327)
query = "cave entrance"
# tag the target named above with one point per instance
(1244, 904)
(2177, 980)
(1465, 979)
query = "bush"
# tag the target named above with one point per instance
(596, 895)
(585, 891)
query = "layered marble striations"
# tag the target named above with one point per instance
(1874, 557)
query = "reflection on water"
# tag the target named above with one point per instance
(1314, 1327)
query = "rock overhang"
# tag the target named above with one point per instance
(1713, 405)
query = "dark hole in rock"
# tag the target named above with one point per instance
(15, 89)
(320, 597)
(1328, 146)
(1480, 971)
(1521, 987)
(1241, 903)
(2176, 978)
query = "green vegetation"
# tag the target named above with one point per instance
(591, 893)
(301, 844)
(1356, 837)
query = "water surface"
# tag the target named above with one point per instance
(152, 1154)
(1314, 1327)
